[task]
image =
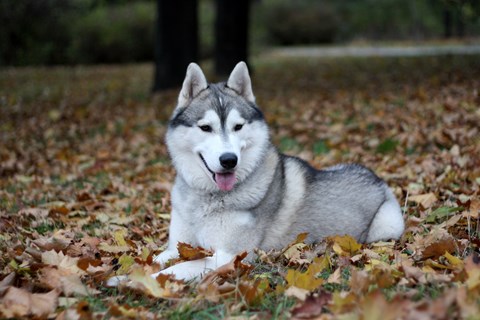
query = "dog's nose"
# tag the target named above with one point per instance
(228, 160)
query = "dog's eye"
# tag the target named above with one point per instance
(238, 127)
(206, 128)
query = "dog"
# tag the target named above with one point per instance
(235, 192)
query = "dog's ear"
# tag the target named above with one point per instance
(194, 82)
(239, 81)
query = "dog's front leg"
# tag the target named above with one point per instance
(195, 269)
(179, 232)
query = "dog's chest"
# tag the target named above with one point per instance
(218, 225)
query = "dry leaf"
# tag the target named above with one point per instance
(307, 280)
(345, 245)
(188, 253)
(145, 283)
(312, 306)
(425, 200)
(472, 267)
(21, 303)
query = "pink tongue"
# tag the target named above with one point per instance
(225, 181)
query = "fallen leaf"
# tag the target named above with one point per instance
(425, 200)
(145, 283)
(359, 281)
(312, 306)
(472, 267)
(375, 307)
(439, 248)
(20, 303)
(187, 252)
(61, 261)
(307, 280)
(65, 281)
(113, 248)
(345, 245)
(442, 212)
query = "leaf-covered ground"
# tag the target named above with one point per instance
(85, 180)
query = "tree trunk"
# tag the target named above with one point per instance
(176, 41)
(447, 22)
(231, 34)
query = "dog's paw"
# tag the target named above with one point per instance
(116, 280)
(166, 255)
(182, 272)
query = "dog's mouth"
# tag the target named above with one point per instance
(225, 181)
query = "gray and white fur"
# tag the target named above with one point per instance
(234, 191)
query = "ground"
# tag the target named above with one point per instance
(85, 180)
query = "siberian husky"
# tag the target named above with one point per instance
(234, 191)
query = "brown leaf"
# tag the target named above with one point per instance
(215, 283)
(472, 267)
(65, 281)
(59, 210)
(439, 248)
(188, 253)
(62, 261)
(84, 263)
(312, 306)
(359, 281)
(434, 245)
(7, 282)
(425, 200)
(375, 307)
(20, 303)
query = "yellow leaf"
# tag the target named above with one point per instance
(300, 238)
(293, 253)
(119, 236)
(125, 262)
(454, 261)
(472, 268)
(112, 249)
(147, 283)
(345, 245)
(307, 280)
(145, 253)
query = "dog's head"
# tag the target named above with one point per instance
(217, 135)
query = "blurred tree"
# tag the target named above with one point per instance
(458, 15)
(176, 41)
(231, 34)
(26, 35)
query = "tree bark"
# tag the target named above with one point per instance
(231, 34)
(176, 41)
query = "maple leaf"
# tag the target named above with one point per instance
(58, 241)
(143, 282)
(434, 245)
(345, 245)
(61, 261)
(64, 281)
(307, 280)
